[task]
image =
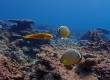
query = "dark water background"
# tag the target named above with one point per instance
(80, 14)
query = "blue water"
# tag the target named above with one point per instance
(81, 14)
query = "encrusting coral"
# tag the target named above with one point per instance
(9, 70)
(50, 60)
(103, 71)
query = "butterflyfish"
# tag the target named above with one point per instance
(39, 36)
(63, 31)
(71, 57)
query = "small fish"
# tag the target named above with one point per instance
(63, 31)
(42, 36)
(71, 57)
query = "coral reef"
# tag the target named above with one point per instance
(9, 69)
(50, 60)
(102, 32)
(103, 71)
(21, 24)
(3, 24)
(97, 42)
(31, 59)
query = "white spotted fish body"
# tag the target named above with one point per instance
(70, 57)
(63, 31)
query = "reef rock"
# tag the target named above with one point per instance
(21, 24)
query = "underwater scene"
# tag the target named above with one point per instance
(55, 40)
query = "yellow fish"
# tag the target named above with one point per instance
(63, 31)
(39, 36)
(71, 57)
